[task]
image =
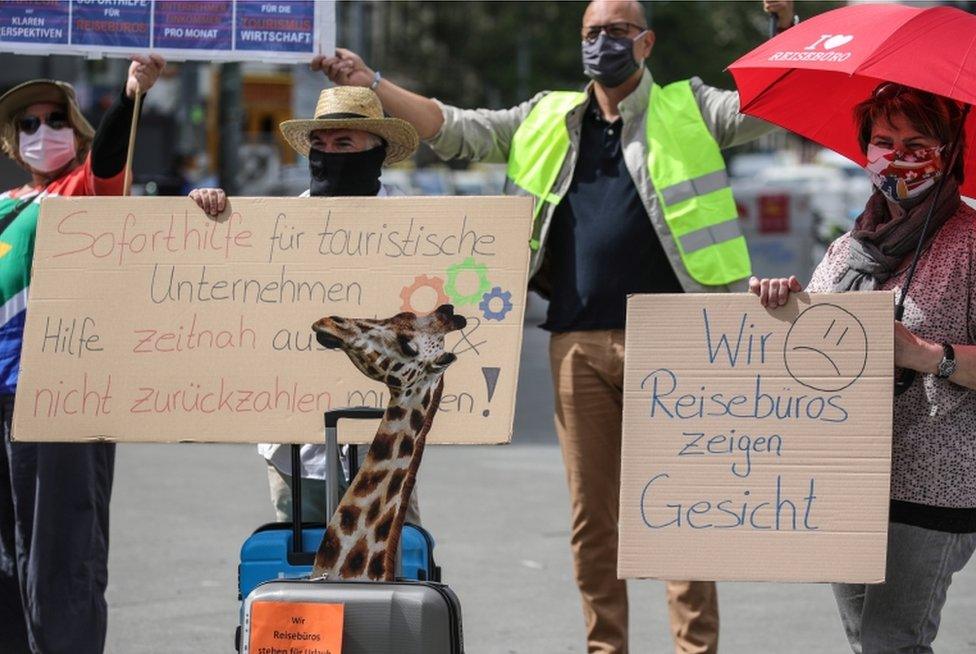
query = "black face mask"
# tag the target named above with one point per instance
(609, 61)
(346, 173)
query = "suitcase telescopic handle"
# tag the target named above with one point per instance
(296, 498)
(332, 419)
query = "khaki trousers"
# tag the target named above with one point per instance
(588, 375)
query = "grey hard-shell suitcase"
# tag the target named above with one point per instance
(404, 617)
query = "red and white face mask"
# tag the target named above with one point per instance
(904, 175)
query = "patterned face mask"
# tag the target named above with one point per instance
(904, 175)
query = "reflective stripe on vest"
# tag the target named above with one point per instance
(688, 173)
(539, 149)
(685, 165)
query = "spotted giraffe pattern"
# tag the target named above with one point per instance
(405, 352)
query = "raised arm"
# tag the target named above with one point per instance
(111, 142)
(453, 133)
(347, 68)
(721, 108)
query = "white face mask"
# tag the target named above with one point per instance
(47, 150)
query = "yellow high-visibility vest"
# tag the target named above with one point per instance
(686, 168)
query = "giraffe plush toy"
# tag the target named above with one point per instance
(405, 352)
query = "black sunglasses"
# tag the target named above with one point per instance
(55, 120)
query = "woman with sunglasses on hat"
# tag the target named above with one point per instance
(54, 497)
(907, 136)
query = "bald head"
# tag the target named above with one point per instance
(604, 61)
(604, 12)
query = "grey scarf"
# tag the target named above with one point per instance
(881, 240)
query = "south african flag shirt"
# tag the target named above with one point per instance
(19, 210)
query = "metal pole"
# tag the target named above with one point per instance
(189, 140)
(230, 116)
(356, 34)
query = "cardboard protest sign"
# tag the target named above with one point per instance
(148, 321)
(208, 30)
(757, 443)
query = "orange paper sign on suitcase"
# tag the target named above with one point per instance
(296, 628)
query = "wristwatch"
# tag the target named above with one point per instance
(948, 364)
(376, 80)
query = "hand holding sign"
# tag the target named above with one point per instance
(211, 200)
(143, 73)
(776, 291)
(345, 68)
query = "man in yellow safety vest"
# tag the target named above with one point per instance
(631, 197)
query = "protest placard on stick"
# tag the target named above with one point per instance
(206, 30)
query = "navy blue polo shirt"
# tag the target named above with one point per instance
(601, 243)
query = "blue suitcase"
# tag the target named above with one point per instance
(270, 552)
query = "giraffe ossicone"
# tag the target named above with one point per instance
(405, 352)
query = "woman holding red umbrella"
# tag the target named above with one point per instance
(906, 74)
(907, 136)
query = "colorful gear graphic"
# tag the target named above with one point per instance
(419, 282)
(496, 294)
(450, 288)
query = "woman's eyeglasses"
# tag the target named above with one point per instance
(54, 120)
(614, 30)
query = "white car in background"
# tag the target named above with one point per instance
(791, 210)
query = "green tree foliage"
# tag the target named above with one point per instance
(496, 54)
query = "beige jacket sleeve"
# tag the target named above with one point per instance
(486, 134)
(720, 109)
(479, 134)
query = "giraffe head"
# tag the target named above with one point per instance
(402, 351)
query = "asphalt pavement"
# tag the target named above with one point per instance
(500, 516)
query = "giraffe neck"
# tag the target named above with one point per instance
(362, 537)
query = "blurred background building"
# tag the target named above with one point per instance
(216, 124)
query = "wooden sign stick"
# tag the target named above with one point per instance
(127, 185)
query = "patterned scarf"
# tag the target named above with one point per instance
(881, 240)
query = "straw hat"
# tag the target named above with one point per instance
(353, 107)
(39, 90)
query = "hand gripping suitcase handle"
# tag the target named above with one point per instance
(332, 470)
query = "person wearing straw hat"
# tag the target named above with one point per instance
(347, 144)
(54, 497)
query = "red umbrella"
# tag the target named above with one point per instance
(809, 78)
